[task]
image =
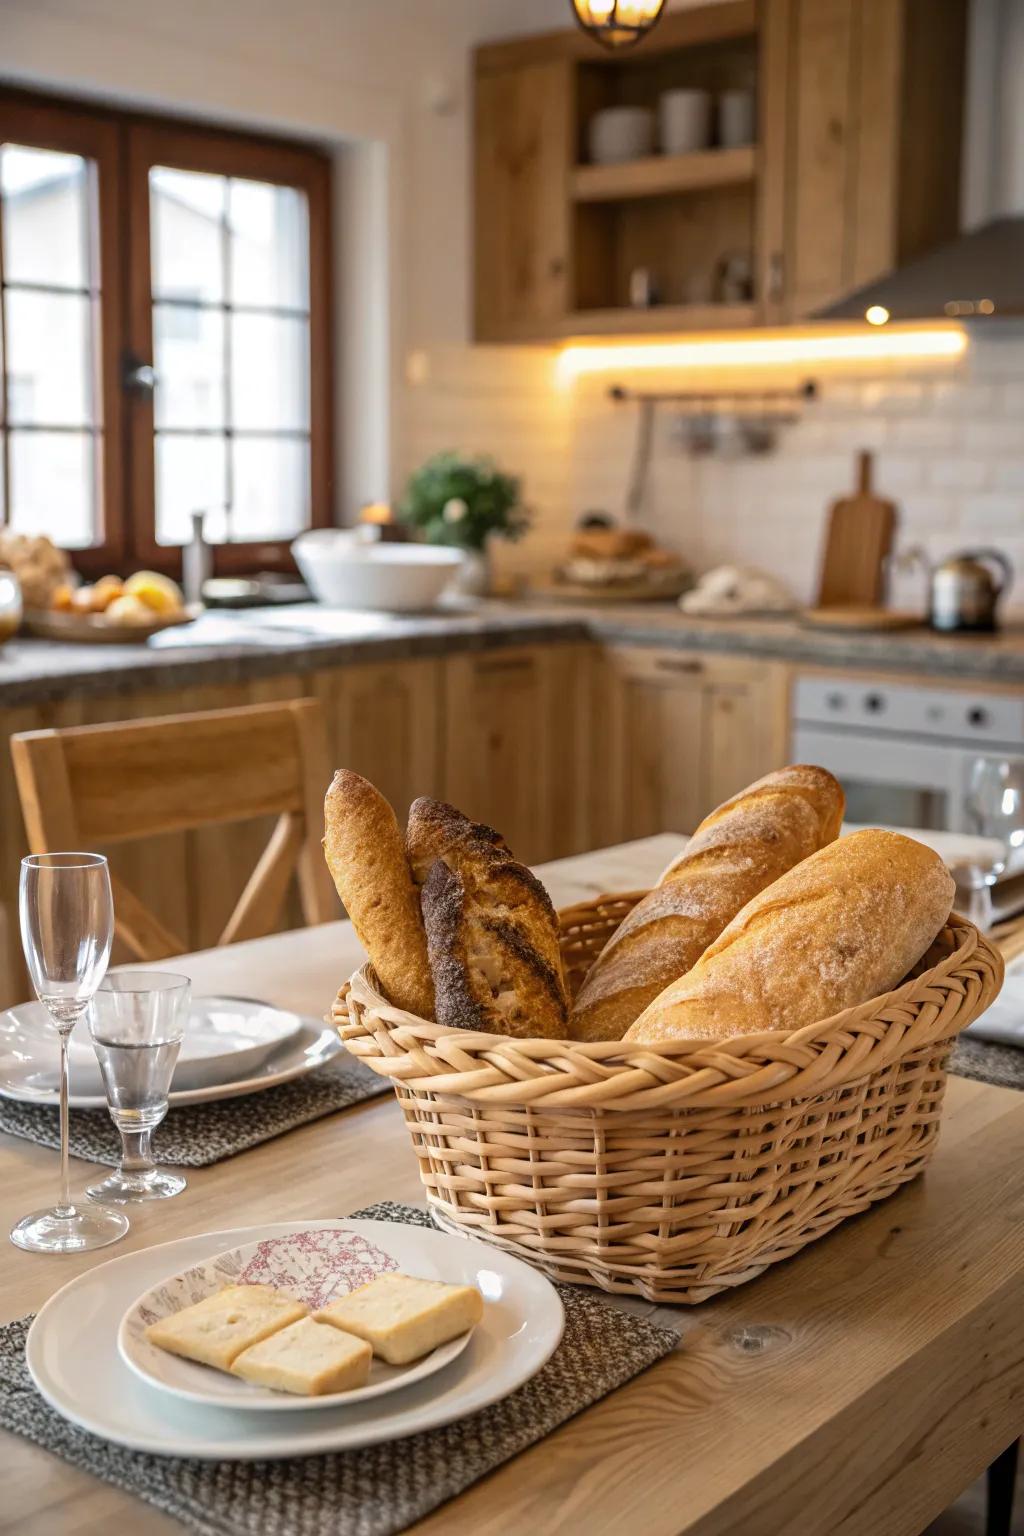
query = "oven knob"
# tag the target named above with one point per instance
(874, 703)
(977, 715)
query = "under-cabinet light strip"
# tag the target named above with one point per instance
(769, 351)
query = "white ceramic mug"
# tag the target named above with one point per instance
(621, 133)
(684, 121)
(735, 119)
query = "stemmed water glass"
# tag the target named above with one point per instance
(137, 1021)
(995, 809)
(67, 927)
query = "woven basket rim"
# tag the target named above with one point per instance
(755, 1068)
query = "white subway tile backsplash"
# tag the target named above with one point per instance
(963, 473)
(948, 444)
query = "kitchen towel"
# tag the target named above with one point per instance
(195, 1135)
(381, 1489)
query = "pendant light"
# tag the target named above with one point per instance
(617, 23)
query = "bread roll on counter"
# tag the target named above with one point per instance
(366, 856)
(842, 927)
(735, 853)
(492, 933)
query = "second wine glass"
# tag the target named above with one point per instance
(137, 1020)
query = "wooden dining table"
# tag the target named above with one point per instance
(854, 1390)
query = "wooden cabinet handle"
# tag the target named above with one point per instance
(678, 664)
(505, 664)
(776, 285)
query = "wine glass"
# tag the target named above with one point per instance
(137, 1021)
(995, 810)
(67, 926)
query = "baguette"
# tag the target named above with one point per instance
(492, 933)
(844, 926)
(366, 857)
(735, 852)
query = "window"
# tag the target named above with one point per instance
(164, 337)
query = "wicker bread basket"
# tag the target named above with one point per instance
(673, 1171)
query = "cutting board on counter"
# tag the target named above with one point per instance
(859, 538)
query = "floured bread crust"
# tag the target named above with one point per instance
(844, 926)
(492, 932)
(366, 856)
(736, 852)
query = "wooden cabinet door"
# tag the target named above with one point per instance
(384, 721)
(523, 151)
(746, 725)
(648, 732)
(512, 744)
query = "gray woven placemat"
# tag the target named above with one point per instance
(376, 1491)
(987, 1062)
(196, 1135)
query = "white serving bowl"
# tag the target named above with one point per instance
(344, 572)
(616, 134)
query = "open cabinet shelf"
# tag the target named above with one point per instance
(658, 175)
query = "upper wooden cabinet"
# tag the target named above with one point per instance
(523, 130)
(861, 121)
(856, 167)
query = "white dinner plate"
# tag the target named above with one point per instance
(316, 1265)
(73, 1357)
(29, 1062)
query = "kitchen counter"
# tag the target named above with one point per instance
(305, 638)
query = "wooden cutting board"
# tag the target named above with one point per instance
(859, 617)
(859, 538)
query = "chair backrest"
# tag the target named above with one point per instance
(101, 784)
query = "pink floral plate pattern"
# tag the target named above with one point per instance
(317, 1265)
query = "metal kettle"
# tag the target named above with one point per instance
(964, 590)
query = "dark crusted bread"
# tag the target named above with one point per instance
(735, 852)
(492, 933)
(366, 855)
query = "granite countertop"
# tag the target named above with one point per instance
(306, 638)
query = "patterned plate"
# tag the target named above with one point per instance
(315, 1266)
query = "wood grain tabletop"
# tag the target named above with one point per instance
(853, 1391)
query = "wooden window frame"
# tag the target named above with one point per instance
(43, 124)
(124, 145)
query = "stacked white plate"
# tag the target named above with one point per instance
(232, 1046)
(88, 1355)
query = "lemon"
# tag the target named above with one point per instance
(158, 592)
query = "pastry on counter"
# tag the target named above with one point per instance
(735, 589)
(735, 852)
(41, 568)
(844, 926)
(603, 554)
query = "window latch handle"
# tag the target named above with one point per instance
(137, 377)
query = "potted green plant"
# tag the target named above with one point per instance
(464, 502)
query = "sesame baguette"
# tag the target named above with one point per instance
(366, 857)
(735, 852)
(844, 926)
(492, 933)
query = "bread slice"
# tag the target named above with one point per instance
(217, 1329)
(404, 1318)
(735, 852)
(366, 856)
(492, 932)
(843, 927)
(307, 1358)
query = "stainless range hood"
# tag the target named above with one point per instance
(981, 272)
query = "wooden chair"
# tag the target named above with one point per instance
(96, 785)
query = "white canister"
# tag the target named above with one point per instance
(684, 121)
(735, 119)
(621, 133)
